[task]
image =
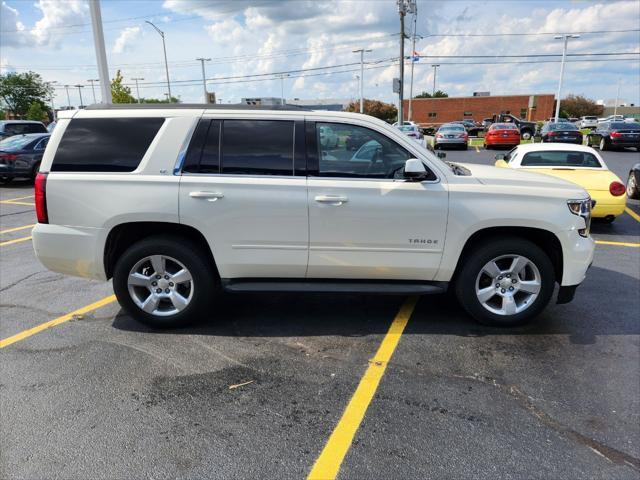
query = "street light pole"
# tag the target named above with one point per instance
(164, 48)
(137, 87)
(413, 63)
(101, 53)
(80, 87)
(615, 107)
(204, 77)
(435, 69)
(66, 87)
(282, 77)
(362, 52)
(404, 7)
(566, 38)
(93, 89)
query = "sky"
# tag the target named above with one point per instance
(249, 41)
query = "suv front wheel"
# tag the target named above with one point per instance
(163, 282)
(506, 282)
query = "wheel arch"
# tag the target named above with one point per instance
(124, 235)
(546, 240)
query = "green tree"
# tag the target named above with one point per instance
(20, 90)
(157, 100)
(119, 92)
(437, 94)
(36, 112)
(579, 106)
(375, 108)
(3, 115)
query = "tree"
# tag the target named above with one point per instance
(375, 108)
(119, 92)
(575, 106)
(157, 100)
(437, 94)
(20, 90)
(36, 112)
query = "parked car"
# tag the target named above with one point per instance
(502, 134)
(252, 205)
(473, 128)
(328, 138)
(51, 126)
(526, 129)
(610, 135)
(611, 118)
(562, 132)
(588, 121)
(411, 131)
(406, 122)
(451, 135)
(20, 155)
(9, 128)
(633, 182)
(576, 163)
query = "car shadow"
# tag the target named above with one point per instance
(17, 183)
(298, 315)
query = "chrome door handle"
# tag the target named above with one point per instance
(209, 196)
(336, 200)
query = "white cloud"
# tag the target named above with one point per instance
(58, 16)
(125, 39)
(13, 31)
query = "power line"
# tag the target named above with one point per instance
(522, 34)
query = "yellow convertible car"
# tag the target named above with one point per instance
(577, 164)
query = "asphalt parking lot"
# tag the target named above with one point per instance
(259, 389)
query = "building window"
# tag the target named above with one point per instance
(523, 113)
(433, 114)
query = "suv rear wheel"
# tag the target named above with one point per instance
(506, 282)
(163, 282)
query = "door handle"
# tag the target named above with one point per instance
(209, 196)
(336, 200)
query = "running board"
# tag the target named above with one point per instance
(333, 286)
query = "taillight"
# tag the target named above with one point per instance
(615, 135)
(616, 189)
(41, 197)
(552, 134)
(438, 135)
(9, 156)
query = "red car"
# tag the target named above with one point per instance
(506, 134)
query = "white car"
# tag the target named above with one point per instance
(587, 122)
(177, 203)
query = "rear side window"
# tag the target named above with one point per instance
(257, 147)
(560, 159)
(105, 144)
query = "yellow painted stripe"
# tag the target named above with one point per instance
(477, 149)
(618, 244)
(7, 202)
(18, 198)
(16, 229)
(16, 240)
(328, 463)
(632, 213)
(56, 321)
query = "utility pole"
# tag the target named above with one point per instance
(615, 107)
(80, 87)
(53, 107)
(566, 38)
(164, 48)
(66, 87)
(362, 52)
(93, 89)
(101, 53)
(413, 62)
(137, 87)
(204, 77)
(282, 77)
(435, 70)
(404, 7)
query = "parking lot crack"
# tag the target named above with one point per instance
(609, 453)
(17, 282)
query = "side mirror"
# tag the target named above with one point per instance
(415, 170)
(441, 155)
(501, 164)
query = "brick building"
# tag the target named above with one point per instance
(430, 111)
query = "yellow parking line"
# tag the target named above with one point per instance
(18, 198)
(8, 202)
(56, 321)
(8, 230)
(328, 463)
(633, 214)
(477, 149)
(618, 244)
(16, 240)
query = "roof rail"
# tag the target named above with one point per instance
(205, 106)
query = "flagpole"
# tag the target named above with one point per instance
(413, 61)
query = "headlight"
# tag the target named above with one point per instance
(582, 208)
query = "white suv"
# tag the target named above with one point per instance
(177, 203)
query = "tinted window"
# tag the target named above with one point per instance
(105, 144)
(18, 142)
(18, 128)
(625, 126)
(562, 126)
(503, 126)
(373, 155)
(560, 159)
(257, 147)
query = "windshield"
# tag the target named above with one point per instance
(562, 126)
(560, 159)
(625, 126)
(15, 143)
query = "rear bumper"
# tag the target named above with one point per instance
(450, 141)
(502, 141)
(607, 204)
(575, 141)
(623, 142)
(70, 250)
(10, 171)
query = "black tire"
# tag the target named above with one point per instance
(604, 146)
(206, 284)
(474, 261)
